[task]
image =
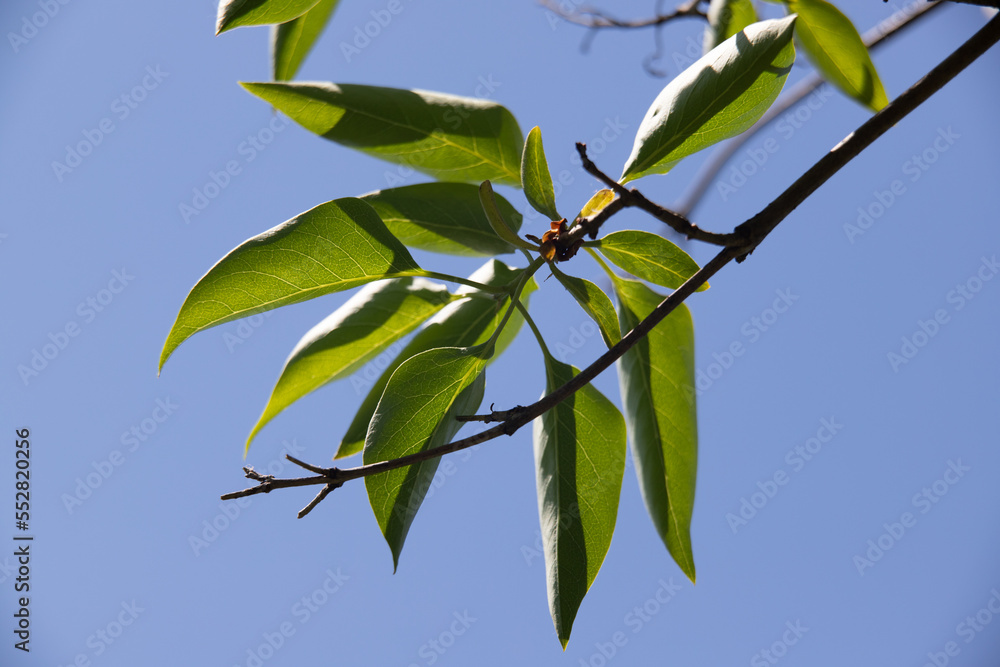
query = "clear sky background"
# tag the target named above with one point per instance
(471, 579)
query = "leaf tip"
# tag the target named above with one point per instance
(685, 561)
(164, 355)
(221, 24)
(253, 434)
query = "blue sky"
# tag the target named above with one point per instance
(135, 559)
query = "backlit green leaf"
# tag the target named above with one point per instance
(725, 19)
(371, 320)
(834, 46)
(594, 302)
(292, 41)
(719, 96)
(650, 257)
(416, 413)
(657, 379)
(451, 138)
(496, 219)
(443, 217)
(579, 465)
(462, 323)
(335, 246)
(236, 13)
(535, 177)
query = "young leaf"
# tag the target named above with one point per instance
(236, 13)
(451, 138)
(658, 393)
(417, 412)
(595, 303)
(443, 217)
(597, 203)
(460, 324)
(725, 19)
(719, 96)
(496, 219)
(292, 41)
(370, 321)
(579, 465)
(535, 177)
(834, 46)
(335, 246)
(650, 257)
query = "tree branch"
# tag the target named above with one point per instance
(752, 232)
(880, 34)
(760, 225)
(494, 416)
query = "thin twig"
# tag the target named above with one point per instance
(632, 197)
(324, 492)
(753, 231)
(597, 20)
(267, 483)
(874, 38)
(308, 466)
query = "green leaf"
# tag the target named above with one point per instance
(719, 96)
(335, 246)
(236, 13)
(658, 393)
(451, 138)
(594, 302)
(535, 177)
(292, 41)
(443, 217)
(579, 465)
(834, 46)
(416, 413)
(493, 215)
(725, 19)
(366, 324)
(650, 257)
(462, 323)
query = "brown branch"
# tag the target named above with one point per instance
(877, 36)
(494, 416)
(752, 231)
(760, 225)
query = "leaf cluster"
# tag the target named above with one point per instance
(453, 333)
